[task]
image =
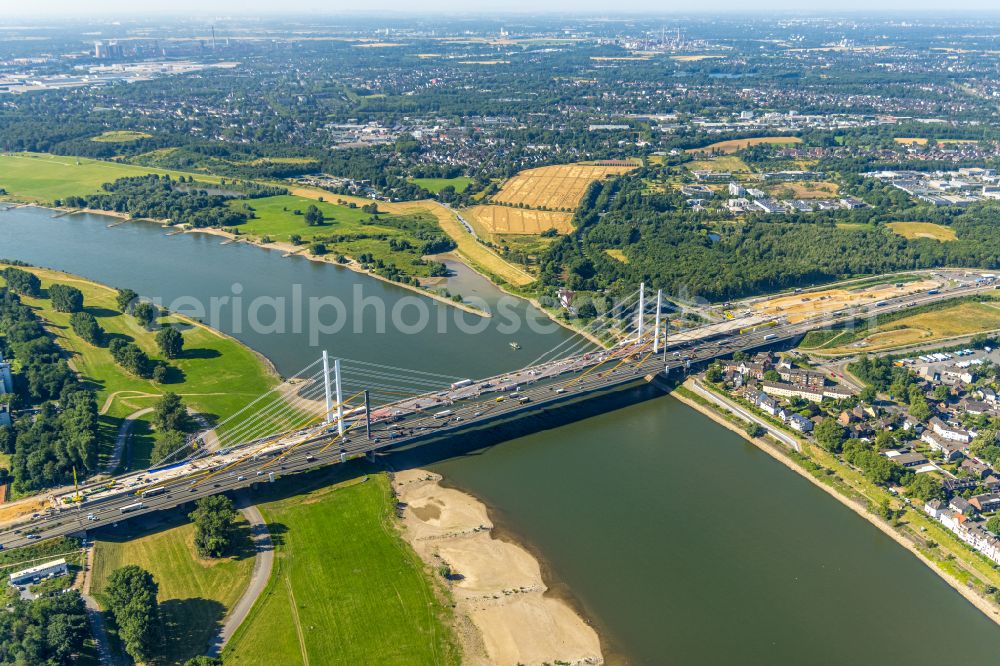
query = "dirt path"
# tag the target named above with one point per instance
(263, 563)
(116, 454)
(298, 623)
(132, 394)
(95, 618)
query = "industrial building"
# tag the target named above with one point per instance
(53, 568)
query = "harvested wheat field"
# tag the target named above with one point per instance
(560, 186)
(733, 145)
(923, 230)
(503, 220)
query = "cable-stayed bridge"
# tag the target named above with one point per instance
(332, 412)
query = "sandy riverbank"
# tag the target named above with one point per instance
(504, 616)
(780, 454)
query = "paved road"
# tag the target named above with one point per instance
(116, 454)
(263, 563)
(745, 415)
(320, 446)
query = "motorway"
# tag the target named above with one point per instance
(433, 416)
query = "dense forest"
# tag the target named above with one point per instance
(64, 433)
(49, 631)
(182, 201)
(683, 252)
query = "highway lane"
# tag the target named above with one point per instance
(566, 380)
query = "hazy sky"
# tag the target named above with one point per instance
(90, 7)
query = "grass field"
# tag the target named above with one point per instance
(854, 226)
(44, 178)
(195, 594)
(518, 221)
(120, 136)
(730, 163)
(554, 187)
(734, 145)
(348, 231)
(617, 255)
(216, 375)
(346, 589)
(480, 257)
(435, 185)
(805, 190)
(962, 319)
(923, 230)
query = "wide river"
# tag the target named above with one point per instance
(682, 542)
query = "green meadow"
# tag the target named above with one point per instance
(43, 178)
(345, 230)
(346, 588)
(215, 375)
(435, 185)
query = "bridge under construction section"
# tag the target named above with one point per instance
(337, 409)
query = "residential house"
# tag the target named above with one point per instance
(752, 369)
(799, 422)
(975, 468)
(948, 431)
(846, 418)
(948, 448)
(961, 505)
(976, 407)
(934, 508)
(906, 459)
(6, 380)
(791, 391)
(911, 423)
(806, 378)
(959, 484)
(986, 502)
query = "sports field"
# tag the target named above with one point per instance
(554, 187)
(518, 221)
(346, 589)
(930, 230)
(45, 178)
(195, 594)
(734, 145)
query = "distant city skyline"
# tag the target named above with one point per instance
(247, 7)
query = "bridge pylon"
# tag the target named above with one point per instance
(656, 330)
(642, 309)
